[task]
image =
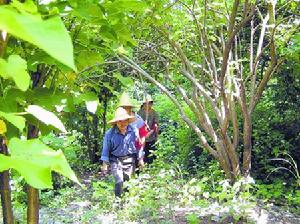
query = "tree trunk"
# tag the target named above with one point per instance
(86, 133)
(38, 79)
(8, 217)
(33, 205)
(32, 193)
(104, 100)
(247, 146)
(227, 78)
(5, 191)
(95, 149)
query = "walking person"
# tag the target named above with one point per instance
(137, 122)
(119, 149)
(150, 117)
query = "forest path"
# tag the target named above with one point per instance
(82, 208)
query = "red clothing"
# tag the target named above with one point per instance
(143, 133)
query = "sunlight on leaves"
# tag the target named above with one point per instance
(34, 161)
(46, 117)
(15, 120)
(15, 68)
(34, 29)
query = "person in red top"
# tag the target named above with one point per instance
(138, 122)
(151, 119)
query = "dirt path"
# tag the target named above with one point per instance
(82, 208)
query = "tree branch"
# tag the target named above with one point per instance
(183, 115)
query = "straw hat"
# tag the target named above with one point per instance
(120, 115)
(147, 99)
(125, 100)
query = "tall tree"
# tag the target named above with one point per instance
(218, 58)
(23, 22)
(5, 190)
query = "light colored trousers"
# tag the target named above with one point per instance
(122, 170)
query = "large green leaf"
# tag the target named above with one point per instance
(15, 120)
(46, 117)
(35, 161)
(49, 34)
(15, 68)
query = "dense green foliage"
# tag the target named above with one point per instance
(63, 66)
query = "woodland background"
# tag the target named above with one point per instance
(225, 80)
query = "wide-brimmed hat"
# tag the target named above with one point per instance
(147, 99)
(120, 115)
(126, 101)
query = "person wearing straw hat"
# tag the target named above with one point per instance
(119, 150)
(128, 105)
(138, 122)
(151, 119)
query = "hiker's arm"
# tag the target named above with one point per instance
(141, 154)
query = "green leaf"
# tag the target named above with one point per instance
(108, 34)
(12, 100)
(15, 120)
(45, 98)
(88, 58)
(35, 161)
(123, 33)
(49, 35)
(40, 57)
(127, 5)
(26, 6)
(90, 12)
(84, 97)
(108, 86)
(15, 68)
(192, 219)
(70, 107)
(46, 117)
(126, 81)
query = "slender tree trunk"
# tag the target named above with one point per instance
(86, 133)
(33, 205)
(38, 79)
(96, 138)
(247, 146)
(224, 160)
(8, 217)
(104, 113)
(5, 191)
(32, 193)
